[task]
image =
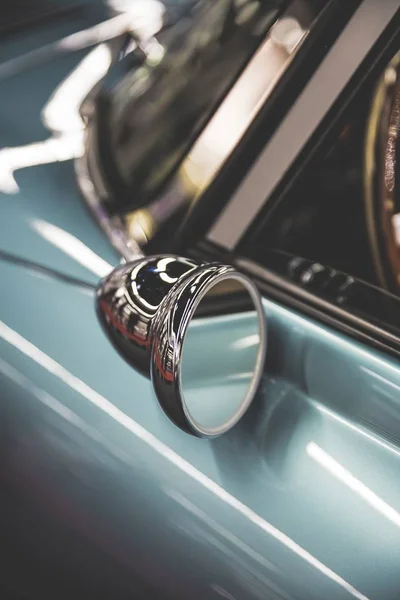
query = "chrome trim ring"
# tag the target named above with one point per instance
(169, 329)
(146, 308)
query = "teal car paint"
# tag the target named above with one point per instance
(42, 216)
(300, 500)
(101, 495)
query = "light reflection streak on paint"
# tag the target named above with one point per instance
(358, 487)
(45, 361)
(381, 379)
(246, 342)
(357, 429)
(145, 16)
(73, 247)
(54, 149)
(222, 531)
(61, 116)
(61, 112)
(57, 407)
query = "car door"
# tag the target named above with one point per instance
(102, 495)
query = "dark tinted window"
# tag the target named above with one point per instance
(336, 231)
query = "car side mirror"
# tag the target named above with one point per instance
(197, 330)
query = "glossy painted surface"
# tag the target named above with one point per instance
(102, 496)
(300, 500)
(42, 215)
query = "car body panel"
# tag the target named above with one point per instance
(43, 218)
(102, 495)
(300, 500)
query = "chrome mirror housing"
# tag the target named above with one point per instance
(204, 381)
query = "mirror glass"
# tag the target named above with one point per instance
(221, 356)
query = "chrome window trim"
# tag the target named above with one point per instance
(331, 77)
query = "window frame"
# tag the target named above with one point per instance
(380, 40)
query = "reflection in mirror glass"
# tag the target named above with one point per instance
(220, 355)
